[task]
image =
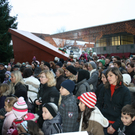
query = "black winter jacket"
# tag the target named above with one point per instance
(59, 80)
(2, 75)
(46, 94)
(111, 106)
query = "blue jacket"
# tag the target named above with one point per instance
(52, 126)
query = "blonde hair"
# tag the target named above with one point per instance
(10, 101)
(50, 76)
(18, 78)
(3, 88)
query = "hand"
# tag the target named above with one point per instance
(110, 130)
(1, 117)
(37, 102)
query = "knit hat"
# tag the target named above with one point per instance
(56, 59)
(102, 61)
(25, 125)
(20, 108)
(93, 64)
(52, 108)
(126, 79)
(47, 64)
(8, 73)
(68, 85)
(83, 74)
(72, 69)
(2, 64)
(89, 99)
(59, 63)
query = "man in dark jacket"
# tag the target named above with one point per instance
(2, 72)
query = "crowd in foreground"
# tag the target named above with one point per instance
(90, 94)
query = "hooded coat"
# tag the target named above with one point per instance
(52, 126)
(33, 85)
(93, 80)
(82, 85)
(96, 123)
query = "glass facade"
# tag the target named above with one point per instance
(115, 40)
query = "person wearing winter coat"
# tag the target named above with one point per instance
(2, 72)
(52, 119)
(17, 85)
(91, 119)
(112, 98)
(47, 93)
(59, 77)
(82, 85)
(10, 116)
(93, 80)
(68, 107)
(32, 82)
(4, 92)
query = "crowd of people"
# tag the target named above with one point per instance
(91, 93)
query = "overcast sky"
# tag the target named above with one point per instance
(50, 16)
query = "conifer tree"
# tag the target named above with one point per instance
(6, 22)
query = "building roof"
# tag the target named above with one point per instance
(91, 34)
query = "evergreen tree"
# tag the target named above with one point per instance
(6, 22)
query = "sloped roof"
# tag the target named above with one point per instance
(91, 34)
(34, 39)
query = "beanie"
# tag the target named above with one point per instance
(126, 79)
(47, 64)
(8, 73)
(83, 74)
(89, 99)
(25, 125)
(52, 108)
(72, 69)
(93, 64)
(20, 108)
(59, 63)
(68, 85)
(102, 61)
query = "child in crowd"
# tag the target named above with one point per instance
(3, 94)
(20, 110)
(128, 120)
(30, 128)
(7, 77)
(53, 121)
(68, 108)
(91, 119)
(9, 102)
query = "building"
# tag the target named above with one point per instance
(114, 39)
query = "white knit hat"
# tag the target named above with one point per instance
(126, 79)
(20, 108)
(89, 99)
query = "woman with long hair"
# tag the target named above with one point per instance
(47, 92)
(17, 85)
(91, 119)
(112, 98)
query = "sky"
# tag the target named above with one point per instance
(54, 16)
